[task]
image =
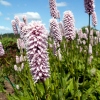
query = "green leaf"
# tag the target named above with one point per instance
(70, 85)
(92, 97)
(40, 88)
(78, 94)
(47, 83)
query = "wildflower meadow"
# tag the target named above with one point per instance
(59, 64)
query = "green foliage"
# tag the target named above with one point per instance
(7, 42)
(9, 35)
(66, 80)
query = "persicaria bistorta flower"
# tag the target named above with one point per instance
(87, 30)
(17, 87)
(89, 6)
(15, 68)
(2, 52)
(58, 14)
(90, 49)
(17, 59)
(53, 9)
(54, 49)
(24, 33)
(90, 59)
(21, 25)
(25, 19)
(98, 34)
(69, 25)
(94, 19)
(93, 71)
(14, 26)
(20, 44)
(61, 28)
(21, 58)
(37, 51)
(54, 26)
(17, 20)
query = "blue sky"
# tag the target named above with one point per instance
(39, 10)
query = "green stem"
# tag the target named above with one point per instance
(86, 64)
(75, 76)
(13, 85)
(45, 89)
(7, 78)
(7, 61)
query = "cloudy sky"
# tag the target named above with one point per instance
(39, 10)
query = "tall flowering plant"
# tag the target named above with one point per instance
(35, 38)
(89, 9)
(56, 33)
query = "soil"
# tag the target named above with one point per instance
(8, 88)
(3, 96)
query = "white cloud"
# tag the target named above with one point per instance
(61, 4)
(7, 18)
(29, 15)
(5, 3)
(3, 28)
(0, 13)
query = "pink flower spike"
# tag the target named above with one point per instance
(25, 19)
(15, 68)
(54, 26)
(53, 9)
(20, 44)
(94, 19)
(14, 26)
(36, 47)
(17, 20)
(17, 59)
(2, 52)
(69, 25)
(90, 49)
(89, 6)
